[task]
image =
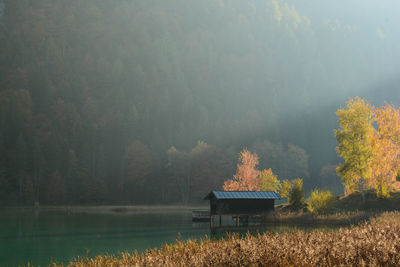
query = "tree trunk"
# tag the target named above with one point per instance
(363, 190)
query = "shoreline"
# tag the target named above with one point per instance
(277, 217)
(110, 209)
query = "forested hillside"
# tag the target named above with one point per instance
(151, 101)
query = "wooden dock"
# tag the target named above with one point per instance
(200, 216)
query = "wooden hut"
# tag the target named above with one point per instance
(241, 203)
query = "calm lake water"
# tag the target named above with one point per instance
(40, 237)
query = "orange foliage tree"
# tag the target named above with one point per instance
(386, 150)
(371, 154)
(246, 177)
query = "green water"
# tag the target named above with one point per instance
(47, 236)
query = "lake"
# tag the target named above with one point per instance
(40, 237)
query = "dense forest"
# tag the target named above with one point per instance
(151, 101)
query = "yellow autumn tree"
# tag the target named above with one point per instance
(355, 144)
(286, 188)
(246, 177)
(386, 150)
(269, 181)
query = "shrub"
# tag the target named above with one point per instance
(383, 190)
(293, 190)
(296, 195)
(321, 201)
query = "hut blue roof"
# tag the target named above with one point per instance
(242, 195)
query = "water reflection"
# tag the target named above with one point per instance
(42, 236)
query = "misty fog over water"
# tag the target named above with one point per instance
(134, 102)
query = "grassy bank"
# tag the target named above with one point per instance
(339, 218)
(354, 202)
(342, 211)
(372, 243)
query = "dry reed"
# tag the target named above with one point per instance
(372, 243)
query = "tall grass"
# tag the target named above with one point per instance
(372, 243)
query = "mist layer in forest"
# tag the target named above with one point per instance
(105, 102)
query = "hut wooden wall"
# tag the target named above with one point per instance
(240, 206)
